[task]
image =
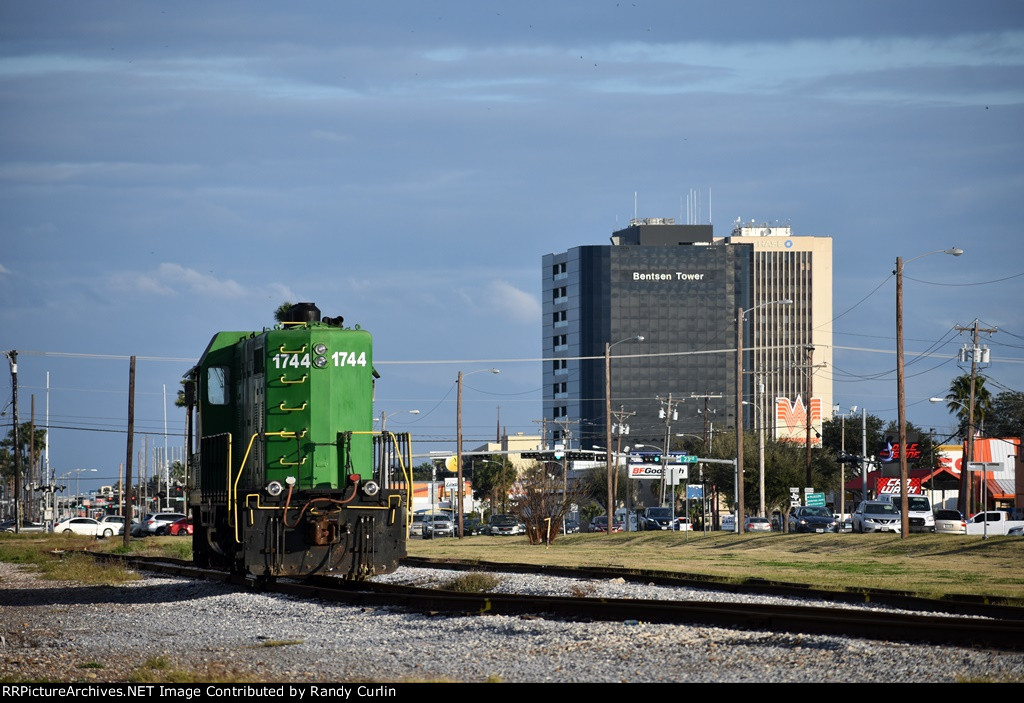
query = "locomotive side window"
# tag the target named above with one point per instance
(217, 385)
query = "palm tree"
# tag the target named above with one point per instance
(959, 400)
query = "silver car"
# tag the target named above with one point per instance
(950, 522)
(876, 516)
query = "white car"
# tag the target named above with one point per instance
(112, 525)
(81, 526)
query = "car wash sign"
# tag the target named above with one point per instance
(891, 486)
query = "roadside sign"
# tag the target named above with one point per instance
(794, 497)
(816, 499)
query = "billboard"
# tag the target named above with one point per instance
(791, 421)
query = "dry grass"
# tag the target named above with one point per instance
(929, 565)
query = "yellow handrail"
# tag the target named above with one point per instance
(284, 379)
(286, 351)
(234, 484)
(292, 410)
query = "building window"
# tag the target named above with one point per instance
(559, 295)
(560, 366)
(560, 318)
(560, 341)
(558, 271)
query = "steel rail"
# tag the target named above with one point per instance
(865, 623)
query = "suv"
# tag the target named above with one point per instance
(876, 516)
(155, 524)
(438, 525)
(656, 519)
(504, 525)
(919, 512)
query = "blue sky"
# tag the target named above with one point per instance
(168, 170)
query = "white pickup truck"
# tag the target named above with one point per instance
(993, 522)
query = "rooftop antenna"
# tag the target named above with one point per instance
(634, 204)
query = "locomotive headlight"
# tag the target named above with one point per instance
(371, 488)
(274, 489)
(320, 362)
(320, 348)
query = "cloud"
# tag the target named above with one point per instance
(173, 279)
(516, 305)
(4, 271)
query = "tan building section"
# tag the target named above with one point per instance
(512, 446)
(792, 344)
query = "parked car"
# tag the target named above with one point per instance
(756, 524)
(472, 526)
(26, 526)
(655, 518)
(570, 526)
(600, 524)
(155, 524)
(180, 527)
(1017, 531)
(950, 522)
(682, 524)
(438, 525)
(81, 526)
(876, 516)
(920, 517)
(416, 526)
(505, 525)
(812, 518)
(112, 525)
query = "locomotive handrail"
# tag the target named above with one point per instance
(282, 462)
(233, 519)
(286, 351)
(292, 410)
(406, 472)
(284, 379)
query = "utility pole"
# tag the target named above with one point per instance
(667, 413)
(128, 506)
(620, 428)
(966, 484)
(809, 369)
(706, 413)
(12, 359)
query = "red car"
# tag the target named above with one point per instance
(181, 527)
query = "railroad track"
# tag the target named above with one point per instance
(1000, 627)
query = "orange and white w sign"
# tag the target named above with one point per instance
(791, 421)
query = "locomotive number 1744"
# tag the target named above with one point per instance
(340, 358)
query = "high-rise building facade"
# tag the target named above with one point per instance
(680, 289)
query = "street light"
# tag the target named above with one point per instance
(78, 477)
(608, 423)
(458, 438)
(901, 400)
(384, 417)
(741, 315)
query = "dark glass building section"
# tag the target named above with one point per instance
(681, 294)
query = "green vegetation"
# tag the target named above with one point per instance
(473, 582)
(927, 565)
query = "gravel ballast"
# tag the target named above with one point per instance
(157, 626)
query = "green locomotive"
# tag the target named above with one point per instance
(290, 478)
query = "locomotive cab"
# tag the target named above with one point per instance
(290, 478)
